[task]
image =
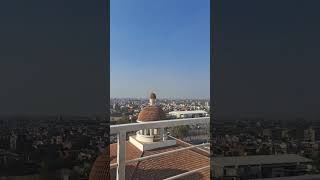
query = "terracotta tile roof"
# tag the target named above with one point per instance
(164, 166)
(151, 113)
(100, 168)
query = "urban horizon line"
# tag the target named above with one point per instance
(163, 98)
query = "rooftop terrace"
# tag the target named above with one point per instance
(181, 161)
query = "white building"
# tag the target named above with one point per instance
(188, 114)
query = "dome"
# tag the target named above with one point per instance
(151, 113)
(100, 168)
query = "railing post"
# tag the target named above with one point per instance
(121, 156)
(163, 135)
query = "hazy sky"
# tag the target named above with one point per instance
(53, 56)
(162, 46)
(267, 58)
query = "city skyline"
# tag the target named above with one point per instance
(168, 53)
(146, 97)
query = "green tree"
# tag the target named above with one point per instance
(123, 120)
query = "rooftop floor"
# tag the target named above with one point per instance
(163, 166)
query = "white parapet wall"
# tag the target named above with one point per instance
(144, 146)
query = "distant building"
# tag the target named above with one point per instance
(13, 141)
(207, 104)
(7, 157)
(59, 139)
(4, 124)
(302, 177)
(188, 114)
(267, 133)
(317, 133)
(277, 133)
(260, 166)
(297, 134)
(309, 135)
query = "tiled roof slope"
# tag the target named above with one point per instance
(100, 169)
(164, 166)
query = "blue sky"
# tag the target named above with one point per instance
(160, 45)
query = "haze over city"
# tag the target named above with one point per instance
(266, 60)
(52, 57)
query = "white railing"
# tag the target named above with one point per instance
(122, 129)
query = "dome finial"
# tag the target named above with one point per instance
(152, 99)
(153, 95)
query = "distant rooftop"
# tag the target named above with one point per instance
(189, 112)
(304, 177)
(259, 159)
